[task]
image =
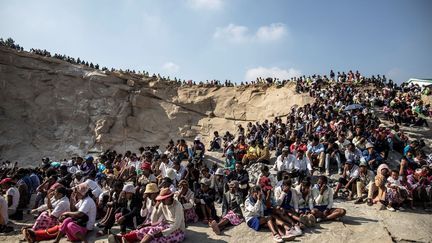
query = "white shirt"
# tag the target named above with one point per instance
(280, 196)
(4, 210)
(342, 145)
(325, 199)
(171, 214)
(300, 164)
(282, 164)
(304, 202)
(88, 206)
(180, 173)
(13, 191)
(163, 168)
(94, 187)
(135, 164)
(59, 207)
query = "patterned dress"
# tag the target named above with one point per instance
(45, 221)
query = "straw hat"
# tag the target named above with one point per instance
(164, 193)
(151, 188)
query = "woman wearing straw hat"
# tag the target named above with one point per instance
(149, 199)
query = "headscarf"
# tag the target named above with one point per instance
(381, 167)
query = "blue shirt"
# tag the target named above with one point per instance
(319, 148)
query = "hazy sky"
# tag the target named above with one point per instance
(231, 39)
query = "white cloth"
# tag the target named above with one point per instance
(353, 173)
(163, 168)
(147, 209)
(94, 187)
(13, 191)
(88, 206)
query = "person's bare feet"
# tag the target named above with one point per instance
(28, 235)
(215, 227)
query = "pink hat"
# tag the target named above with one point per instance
(82, 188)
(5, 180)
(164, 193)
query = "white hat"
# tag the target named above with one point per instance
(285, 149)
(170, 173)
(220, 171)
(129, 188)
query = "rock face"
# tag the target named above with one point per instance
(49, 107)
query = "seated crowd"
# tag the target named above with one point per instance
(282, 174)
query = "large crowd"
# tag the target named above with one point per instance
(282, 174)
(302, 82)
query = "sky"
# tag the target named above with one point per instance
(237, 40)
